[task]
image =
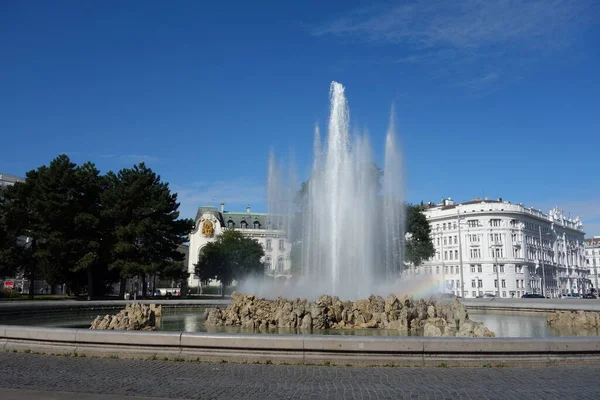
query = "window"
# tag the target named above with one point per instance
(494, 222)
(452, 269)
(501, 268)
(495, 283)
(473, 294)
(280, 264)
(473, 270)
(480, 283)
(230, 224)
(269, 244)
(256, 225)
(473, 283)
(456, 254)
(494, 269)
(504, 293)
(451, 253)
(518, 269)
(454, 225)
(517, 283)
(268, 265)
(281, 244)
(244, 224)
(457, 283)
(479, 268)
(473, 223)
(444, 226)
(445, 255)
(445, 241)
(503, 282)
(455, 239)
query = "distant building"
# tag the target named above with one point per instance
(267, 230)
(490, 246)
(9, 180)
(592, 258)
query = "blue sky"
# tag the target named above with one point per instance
(498, 98)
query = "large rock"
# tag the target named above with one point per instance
(136, 317)
(574, 319)
(430, 317)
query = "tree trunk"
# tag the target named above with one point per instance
(31, 274)
(144, 286)
(122, 288)
(90, 283)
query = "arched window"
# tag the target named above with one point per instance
(281, 244)
(256, 225)
(230, 224)
(280, 264)
(268, 264)
(244, 224)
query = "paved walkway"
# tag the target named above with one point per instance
(29, 376)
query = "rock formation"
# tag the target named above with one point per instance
(134, 317)
(429, 317)
(575, 319)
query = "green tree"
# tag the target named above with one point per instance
(20, 232)
(232, 256)
(419, 246)
(143, 217)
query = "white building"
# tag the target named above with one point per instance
(496, 247)
(210, 222)
(8, 180)
(592, 258)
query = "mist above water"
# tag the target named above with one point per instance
(347, 229)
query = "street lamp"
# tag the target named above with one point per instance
(542, 261)
(462, 283)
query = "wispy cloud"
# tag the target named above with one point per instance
(235, 193)
(455, 34)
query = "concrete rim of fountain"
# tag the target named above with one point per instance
(300, 349)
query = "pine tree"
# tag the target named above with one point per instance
(143, 217)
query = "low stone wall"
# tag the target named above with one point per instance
(304, 349)
(429, 317)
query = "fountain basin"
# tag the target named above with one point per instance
(300, 349)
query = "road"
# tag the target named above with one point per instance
(39, 377)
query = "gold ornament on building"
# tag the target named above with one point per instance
(208, 228)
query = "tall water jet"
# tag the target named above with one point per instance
(352, 223)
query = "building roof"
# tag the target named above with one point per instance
(593, 241)
(237, 217)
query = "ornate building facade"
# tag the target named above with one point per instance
(505, 249)
(592, 258)
(210, 222)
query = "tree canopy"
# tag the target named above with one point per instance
(231, 256)
(419, 246)
(70, 224)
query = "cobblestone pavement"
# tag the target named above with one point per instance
(184, 380)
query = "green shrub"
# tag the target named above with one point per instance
(9, 294)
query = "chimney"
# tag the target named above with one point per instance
(222, 207)
(248, 208)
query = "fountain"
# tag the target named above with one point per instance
(352, 224)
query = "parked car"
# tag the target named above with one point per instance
(532, 296)
(590, 296)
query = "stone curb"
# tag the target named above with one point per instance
(358, 350)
